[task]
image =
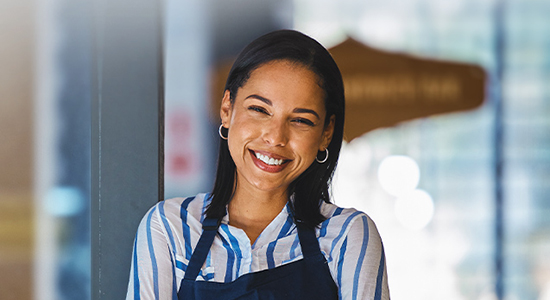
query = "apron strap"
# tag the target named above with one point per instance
(308, 241)
(210, 228)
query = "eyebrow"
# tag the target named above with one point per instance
(265, 100)
(296, 110)
(305, 110)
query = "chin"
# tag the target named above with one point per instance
(266, 185)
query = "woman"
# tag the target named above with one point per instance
(267, 230)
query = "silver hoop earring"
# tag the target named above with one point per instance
(324, 160)
(220, 132)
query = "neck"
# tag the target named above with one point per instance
(253, 211)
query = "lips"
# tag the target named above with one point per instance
(269, 162)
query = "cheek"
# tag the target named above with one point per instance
(308, 146)
(242, 129)
(240, 134)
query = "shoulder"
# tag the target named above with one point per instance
(340, 216)
(174, 209)
(173, 224)
(346, 222)
(191, 205)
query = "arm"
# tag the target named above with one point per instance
(361, 263)
(152, 272)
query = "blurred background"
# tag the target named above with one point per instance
(460, 199)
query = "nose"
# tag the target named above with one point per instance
(275, 133)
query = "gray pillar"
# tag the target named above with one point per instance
(127, 134)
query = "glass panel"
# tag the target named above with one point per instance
(527, 150)
(452, 256)
(62, 150)
(189, 145)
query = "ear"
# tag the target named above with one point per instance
(226, 109)
(327, 134)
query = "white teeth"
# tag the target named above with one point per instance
(269, 160)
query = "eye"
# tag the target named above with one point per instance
(258, 109)
(304, 121)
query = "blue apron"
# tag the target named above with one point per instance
(308, 278)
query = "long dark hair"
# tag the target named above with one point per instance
(312, 186)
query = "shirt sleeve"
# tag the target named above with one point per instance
(361, 263)
(152, 274)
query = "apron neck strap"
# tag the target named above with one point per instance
(210, 228)
(308, 240)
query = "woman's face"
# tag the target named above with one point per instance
(276, 125)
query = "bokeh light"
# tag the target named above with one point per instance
(64, 201)
(414, 210)
(398, 174)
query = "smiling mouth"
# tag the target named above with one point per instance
(269, 160)
(270, 163)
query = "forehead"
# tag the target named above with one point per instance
(285, 80)
(286, 66)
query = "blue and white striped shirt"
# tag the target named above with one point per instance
(171, 229)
